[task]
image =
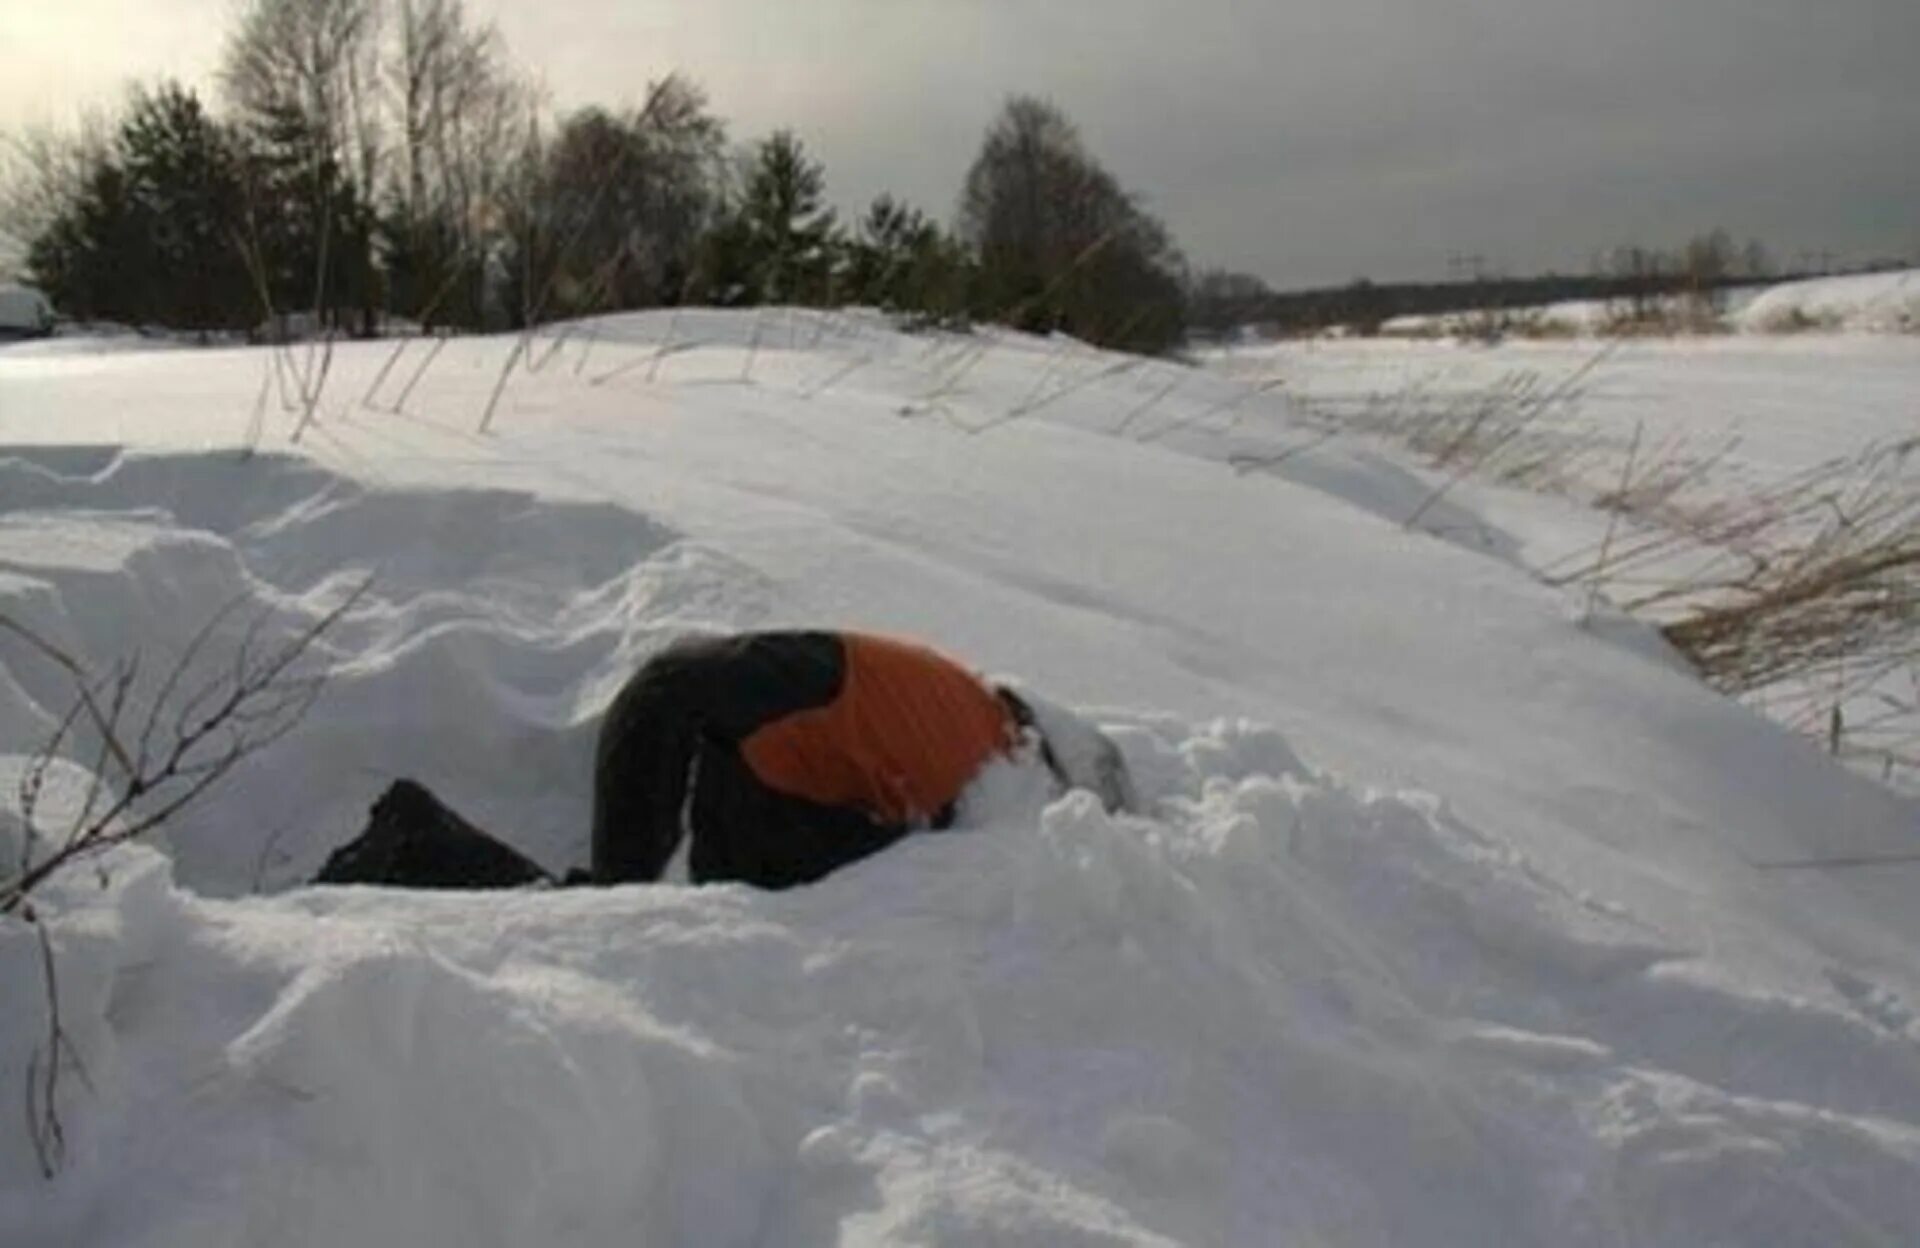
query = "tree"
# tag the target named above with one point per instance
(302, 75)
(308, 232)
(151, 237)
(880, 252)
(627, 200)
(461, 123)
(899, 259)
(313, 60)
(1643, 276)
(185, 171)
(1060, 244)
(880, 255)
(94, 260)
(782, 232)
(1222, 300)
(379, 163)
(613, 212)
(44, 171)
(1707, 263)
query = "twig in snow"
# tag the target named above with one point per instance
(146, 770)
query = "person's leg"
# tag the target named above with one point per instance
(414, 840)
(647, 744)
(723, 686)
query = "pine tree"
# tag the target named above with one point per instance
(184, 173)
(152, 237)
(92, 260)
(900, 260)
(788, 235)
(881, 252)
(308, 232)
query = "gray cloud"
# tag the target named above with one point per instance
(1317, 141)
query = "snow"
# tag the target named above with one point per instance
(1729, 416)
(1441, 923)
(1865, 303)
(22, 308)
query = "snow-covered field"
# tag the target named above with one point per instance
(1869, 303)
(1451, 922)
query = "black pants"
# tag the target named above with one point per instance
(668, 765)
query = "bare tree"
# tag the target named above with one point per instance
(1707, 262)
(1223, 300)
(44, 171)
(313, 59)
(1060, 244)
(302, 75)
(1755, 260)
(461, 119)
(1643, 277)
(624, 200)
(462, 108)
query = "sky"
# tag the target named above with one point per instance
(1307, 143)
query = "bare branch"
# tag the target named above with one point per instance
(95, 715)
(44, 1129)
(234, 715)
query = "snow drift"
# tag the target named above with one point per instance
(1885, 303)
(1282, 1011)
(1863, 303)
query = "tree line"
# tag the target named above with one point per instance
(373, 160)
(1642, 280)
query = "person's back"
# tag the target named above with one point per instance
(789, 753)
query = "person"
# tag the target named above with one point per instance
(773, 757)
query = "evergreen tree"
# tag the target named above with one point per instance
(787, 235)
(900, 260)
(728, 275)
(431, 273)
(91, 259)
(151, 239)
(308, 232)
(881, 253)
(185, 175)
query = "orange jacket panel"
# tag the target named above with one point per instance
(909, 729)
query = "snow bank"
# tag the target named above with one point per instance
(1881, 303)
(513, 619)
(1280, 1010)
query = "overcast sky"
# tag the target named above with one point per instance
(1305, 142)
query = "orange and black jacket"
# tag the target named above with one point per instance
(786, 754)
